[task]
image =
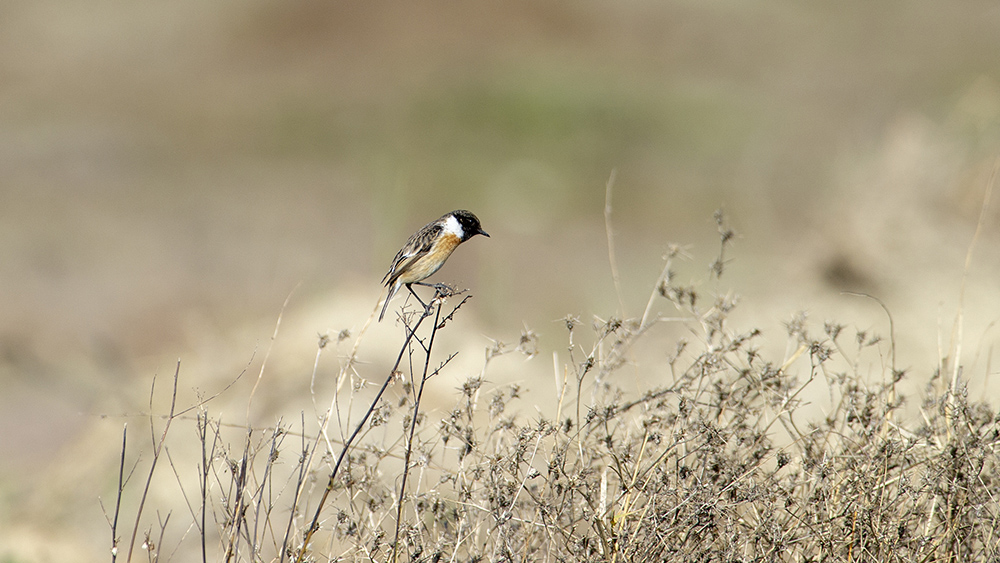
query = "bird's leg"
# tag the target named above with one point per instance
(427, 308)
(417, 297)
(442, 289)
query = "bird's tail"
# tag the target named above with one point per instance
(388, 298)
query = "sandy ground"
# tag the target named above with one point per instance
(173, 172)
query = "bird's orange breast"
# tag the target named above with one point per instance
(431, 262)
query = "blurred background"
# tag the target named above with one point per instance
(172, 172)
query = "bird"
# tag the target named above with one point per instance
(427, 249)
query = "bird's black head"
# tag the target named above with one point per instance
(470, 224)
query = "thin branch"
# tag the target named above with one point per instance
(956, 334)
(892, 349)
(611, 241)
(304, 462)
(263, 364)
(331, 482)
(118, 499)
(413, 428)
(156, 456)
(203, 478)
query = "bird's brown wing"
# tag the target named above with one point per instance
(417, 246)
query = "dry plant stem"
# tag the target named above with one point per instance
(892, 348)
(118, 500)
(611, 240)
(314, 525)
(276, 438)
(956, 334)
(156, 454)
(726, 235)
(664, 274)
(299, 483)
(236, 518)
(263, 364)
(244, 499)
(180, 484)
(203, 478)
(413, 428)
(686, 470)
(324, 339)
(153, 547)
(347, 366)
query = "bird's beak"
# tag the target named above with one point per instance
(484, 233)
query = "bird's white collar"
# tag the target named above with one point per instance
(452, 226)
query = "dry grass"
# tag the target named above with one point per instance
(722, 461)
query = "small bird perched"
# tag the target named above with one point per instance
(426, 251)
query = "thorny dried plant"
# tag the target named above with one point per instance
(721, 462)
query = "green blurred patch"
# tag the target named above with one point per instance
(450, 137)
(582, 123)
